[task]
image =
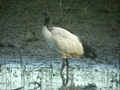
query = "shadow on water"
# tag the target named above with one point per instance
(37, 73)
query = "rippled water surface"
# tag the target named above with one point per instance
(44, 74)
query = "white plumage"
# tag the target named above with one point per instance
(66, 43)
(46, 33)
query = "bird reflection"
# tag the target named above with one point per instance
(66, 77)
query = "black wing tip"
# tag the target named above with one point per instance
(90, 52)
(91, 55)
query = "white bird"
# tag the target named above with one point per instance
(66, 43)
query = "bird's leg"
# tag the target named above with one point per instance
(67, 63)
(63, 65)
(67, 70)
(61, 72)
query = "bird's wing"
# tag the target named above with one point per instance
(61, 32)
(66, 41)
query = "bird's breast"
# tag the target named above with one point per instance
(46, 34)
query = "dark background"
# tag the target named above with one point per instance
(95, 21)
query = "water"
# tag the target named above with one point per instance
(36, 73)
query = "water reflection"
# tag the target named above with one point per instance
(41, 74)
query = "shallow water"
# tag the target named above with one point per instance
(35, 73)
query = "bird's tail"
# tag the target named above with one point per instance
(89, 51)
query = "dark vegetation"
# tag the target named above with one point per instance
(95, 21)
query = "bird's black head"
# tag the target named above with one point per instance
(47, 18)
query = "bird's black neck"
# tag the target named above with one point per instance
(46, 20)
